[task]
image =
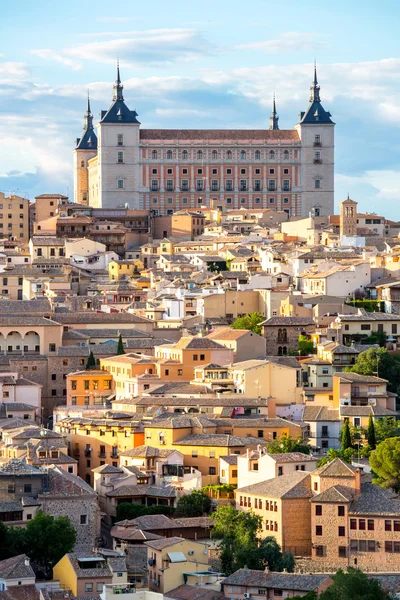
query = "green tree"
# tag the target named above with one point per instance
(193, 505)
(386, 427)
(354, 585)
(288, 444)
(385, 464)
(240, 543)
(378, 361)
(47, 539)
(120, 347)
(345, 455)
(91, 362)
(308, 596)
(127, 510)
(346, 435)
(305, 346)
(371, 433)
(251, 321)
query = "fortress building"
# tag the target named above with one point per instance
(166, 170)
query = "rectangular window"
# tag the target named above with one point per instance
(27, 488)
(361, 524)
(317, 184)
(120, 184)
(320, 551)
(88, 587)
(342, 552)
(212, 471)
(388, 525)
(318, 510)
(120, 157)
(341, 531)
(194, 454)
(371, 525)
(120, 139)
(318, 530)
(83, 519)
(340, 511)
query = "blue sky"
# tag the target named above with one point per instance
(204, 65)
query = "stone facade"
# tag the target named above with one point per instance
(168, 170)
(282, 333)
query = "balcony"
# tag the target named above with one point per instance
(184, 187)
(199, 188)
(317, 144)
(88, 452)
(272, 188)
(170, 188)
(325, 433)
(215, 188)
(102, 454)
(317, 161)
(286, 188)
(154, 188)
(76, 452)
(257, 188)
(228, 188)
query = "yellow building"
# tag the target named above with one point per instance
(14, 217)
(173, 562)
(124, 268)
(85, 574)
(97, 442)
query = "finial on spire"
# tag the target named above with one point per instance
(118, 87)
(88, 118)
(314, 89)
(274, 119)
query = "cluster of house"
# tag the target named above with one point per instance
(122, 381)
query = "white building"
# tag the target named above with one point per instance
(256, 465)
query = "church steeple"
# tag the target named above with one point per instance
(118, 87)
(88, 118)
(274, 119)
(314, 89)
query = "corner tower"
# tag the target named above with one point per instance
(118, 153)
(85, 149)
(316, 132)
(348, 218)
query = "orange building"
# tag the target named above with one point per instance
(89, 388)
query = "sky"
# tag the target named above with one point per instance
(209, 64)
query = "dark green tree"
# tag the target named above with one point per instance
(346, 436)
(378, 361)
(120, 347)
(91, 362)
(288, 444)
(385, 464)
(240, 543)
(47, 539)
(386, 427)
(308, 596)
(193, 505)
(127, 510)
(305, 346)
(354, 585)
(371, 433)
(251, 321)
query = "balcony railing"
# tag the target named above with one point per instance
(286, 188)
(317, 144)
(154, 188)
(317, 161)
(102, 454)
(257, 188)
(170, 188)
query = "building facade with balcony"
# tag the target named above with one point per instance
(164, 170)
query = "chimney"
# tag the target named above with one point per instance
(266, 570)
(357, 482)
(27, 561)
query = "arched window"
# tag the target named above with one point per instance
(199, 154)
(169, 154)
(257, 155)
(229, 155)
(271, 155)
(284, 334)
(280, 351)
(82, 163)
(154, 155)
(214, 155)
(284, 351)
(286, 154)
(243, 155)
(184, 154)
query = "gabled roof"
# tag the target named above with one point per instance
(292, 485)
(88, 141)
(282, 581)
(337, 493)
(16, 568)
(336, 468)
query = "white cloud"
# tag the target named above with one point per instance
(379, 185)
(13, 69)
(180, 112)
(286, 42)
(47, 54)
(133, 48)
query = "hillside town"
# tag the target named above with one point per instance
(199, 371)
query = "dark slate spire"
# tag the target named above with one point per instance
(118, 87)
(88, 141)
(314, 89)
(118, 111)
(274, 119)
(88, 118)
(315, 113)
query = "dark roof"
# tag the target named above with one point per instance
(193, 592)
(282, 581)
(375, 500)
(336, 468)
(288, 321)
(219, 134)
(20, 592)
(316, 114)
(88, 141)
(15, 568)
(142, 490)
(292, 485)
(119, 113)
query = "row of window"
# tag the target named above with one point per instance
(228, 171)
(270, 505)
(95, 384)
(214, 154)
(10, 216)
(21, 206)
(341, 511)
(228, 185)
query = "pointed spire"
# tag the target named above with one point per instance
(314, 89)
(88, 118)
(274, 119)
(118, 87)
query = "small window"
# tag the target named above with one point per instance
(318, 509)
(120, 139)
(341, 511)
(318, 530)
(83, 519)
(317, 184)
(120, 184)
